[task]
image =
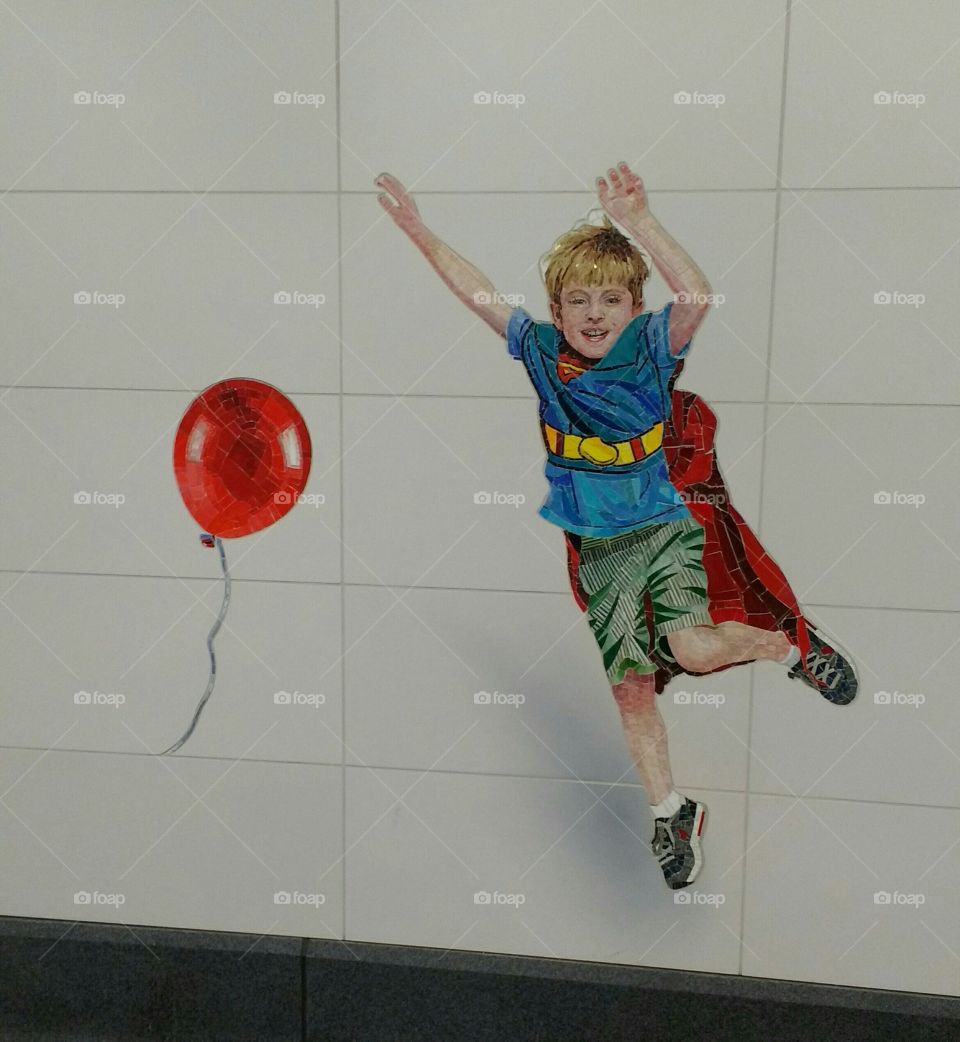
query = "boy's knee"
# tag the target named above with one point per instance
(635, 691)
(693, 648)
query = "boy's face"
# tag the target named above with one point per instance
(592, 316)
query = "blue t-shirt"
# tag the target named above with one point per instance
(622, 395)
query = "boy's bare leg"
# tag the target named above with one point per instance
(646, 735)
(703, 648)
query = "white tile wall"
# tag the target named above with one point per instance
(421, 847)
(197, 843)
(398, 598)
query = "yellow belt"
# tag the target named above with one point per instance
(600, 452)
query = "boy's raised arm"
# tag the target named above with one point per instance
(626, 202)
(470, 285)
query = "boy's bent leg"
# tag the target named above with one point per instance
(645, 732)
(703, 648)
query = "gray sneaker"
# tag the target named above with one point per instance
(676, 844)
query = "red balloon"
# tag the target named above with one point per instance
(241, 457)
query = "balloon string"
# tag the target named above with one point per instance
(213, 661)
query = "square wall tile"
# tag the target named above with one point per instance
(197, 844)
(697, 102)
(533, 867)
(156, 290)
(171, 100)
(859, 503)
(870, 94)
(864, 307)
(835, 895)
(904, 715)
(120, 664)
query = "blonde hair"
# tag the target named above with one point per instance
(592, 255)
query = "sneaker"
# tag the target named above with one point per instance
(827, 670)
(676, 844)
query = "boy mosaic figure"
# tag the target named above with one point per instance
(603, 371)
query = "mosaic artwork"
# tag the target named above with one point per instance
(241, 458)
(671, 578)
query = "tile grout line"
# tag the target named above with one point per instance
(778, 197)
(342, 468)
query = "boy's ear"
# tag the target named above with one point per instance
(555, 314)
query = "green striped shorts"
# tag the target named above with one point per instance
(617, 571)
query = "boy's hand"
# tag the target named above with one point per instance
(399, 205)
(625, 199)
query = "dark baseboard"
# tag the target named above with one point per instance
(89, 981)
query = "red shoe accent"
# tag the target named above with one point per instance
(700, 825)
(683, 834)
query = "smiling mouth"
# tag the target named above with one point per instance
(595, 336)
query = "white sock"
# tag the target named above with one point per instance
(668, 806)
(792, 657)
